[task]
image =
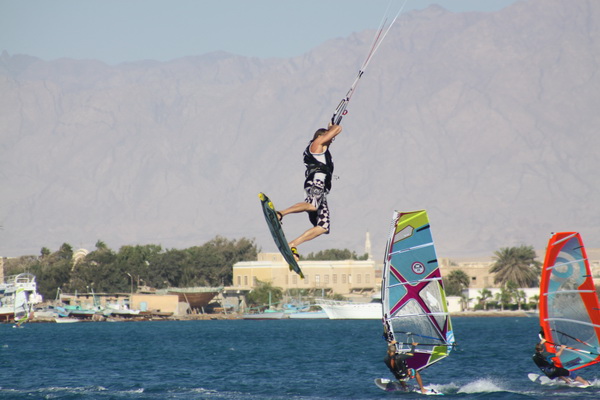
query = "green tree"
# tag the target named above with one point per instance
(264, 294)
(98, 271)
(521, 297)
(456, 282)
(210, 264)
(534, 301)
(335, 255)
(484, 295)
(504, 297)
(516, 264)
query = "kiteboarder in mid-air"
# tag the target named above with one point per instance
(319, 166)
(319, 171)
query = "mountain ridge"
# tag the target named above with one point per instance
(487, 120)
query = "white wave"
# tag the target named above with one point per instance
(444, 388)
(483, 385)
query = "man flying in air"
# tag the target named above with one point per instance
(319, 171)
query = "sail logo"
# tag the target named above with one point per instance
(418, 268)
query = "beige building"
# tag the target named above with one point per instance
(478, 268)
(342, 277)
(478, 271)
(168, 303)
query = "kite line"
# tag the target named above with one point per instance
(381, 33)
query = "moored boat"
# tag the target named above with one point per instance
(318, 314)
(196, 297)
(18, 294)
(268, 314)
(351, 310)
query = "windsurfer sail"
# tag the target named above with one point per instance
(382, 32)
(412, 292)
(22, 306)
(569, 307)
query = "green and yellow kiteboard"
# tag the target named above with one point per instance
(277, 233)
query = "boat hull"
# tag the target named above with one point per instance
(347, 310)
(196, 300)
(308, 315)
(262, 316)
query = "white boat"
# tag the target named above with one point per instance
(320, 314)
(265, 315)
(18, 294)
(119, 310)
(303, 310)
(351, 310)
(66, 320)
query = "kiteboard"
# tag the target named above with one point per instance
(395, 386)
(277, 233)
(544, 380)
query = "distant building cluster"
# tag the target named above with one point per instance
(352, 278)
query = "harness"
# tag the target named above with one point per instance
(399, 368)
(543, 364)
(313, 166)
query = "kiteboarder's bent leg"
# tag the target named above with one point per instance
(297, 208)
(308, 235)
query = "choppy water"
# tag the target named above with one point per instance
(287, 359)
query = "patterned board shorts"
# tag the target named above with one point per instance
(316, 195)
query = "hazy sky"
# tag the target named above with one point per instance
(117, 31)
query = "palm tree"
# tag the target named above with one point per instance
(484, 295)
(534, 300)
(504, 296)
(521, 297)
(516, 264)
(515, 294)
(456, 282)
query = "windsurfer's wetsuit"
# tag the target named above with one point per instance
(397, 364)
(545, 363)
(319, 171)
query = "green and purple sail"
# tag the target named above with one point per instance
(412, 292)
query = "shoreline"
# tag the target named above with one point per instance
(234, 316)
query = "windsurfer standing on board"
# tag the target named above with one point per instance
(544, 360)
(396, 362)
(319, 171)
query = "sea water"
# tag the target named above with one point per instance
(285, 359)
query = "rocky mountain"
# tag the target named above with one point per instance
(487, 120)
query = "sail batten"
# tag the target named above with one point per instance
(568, 302)
(413, 296)
(561, 292)
(572, 321)
(413, 282)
